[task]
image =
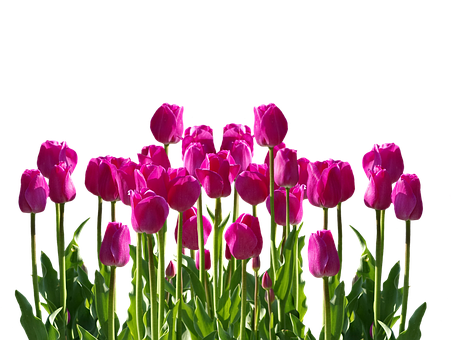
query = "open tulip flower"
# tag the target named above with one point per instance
(406, 197)
(270, 125)
(34, 192)
(322, 255)
(193, 157)
(189, 229)
(115, 245)
(324, 184)
(52, 153)
(154, 154)
(126, 180)
(387, 156)
(202, 134)
(149, 211)
(108, 188)
(167, 124)
(347, 179)
(244, 238)
(253, 185)
(238, 140)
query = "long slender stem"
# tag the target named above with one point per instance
(161, 278)
(201, 244)
(296, 270)
(328, 320)
(111, 302)
(235, 205)
(179, 279)
(273, 256)
(243, 299)
(62, 271)
(378, 272)
(99, 229)
(152, 290)
(34, 266)
(113, 211)
(325, 218)
(138, 289)
(216, 249)
(271, 333)
(340, 238)
(404, 305)
(256, 305)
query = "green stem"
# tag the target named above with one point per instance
(138, 289)
(201, 244)
(113, 211)
(325, 218)
(178, 328)
(328, 320)
(256, 304)
(62, 272)
(111, 302)
(270, 317)
(161, 278)
(34, 266)
(340, 238)
(273, 256)
(296, 270)
(216, 249)
(99, 230)
(235, 205)
(378, 270)
(152, 289)
(404, 305)
(243, 299)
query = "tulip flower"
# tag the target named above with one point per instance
(244, 237)
(115, 245)
(253, 185)
(322, 255)
(303, 173)
(154, 154)
(193, 157)
(347, 179)
(324, 184)
(387, 156)
(217, 173)
(108, 188)
(52, 153)
(34, 192)
(296, 195)
(126, 180)
(286, 168)
(61, 188)
(153, 177)
(149, 211)
(236, 132)
(207, 260)
(379, 191)
(275, 152)
(199, 134)
(183, 192)
(171, 270)
(266, 281)
(270, 125)
(167, 124)
(189, 229)
(406, 197)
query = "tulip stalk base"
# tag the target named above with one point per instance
(404, 305)
(327, 316)
(111, 305)
(152, 289)
(34, 266)
(378, 270)
(138, 292)
(243, 299)
(273, 252)
(62, 270)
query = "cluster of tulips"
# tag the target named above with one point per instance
(183, 300)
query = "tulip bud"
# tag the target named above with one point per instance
(387, 156)
(407, 199)
(270, 125)
(34, 192)
(270, 294)
(149, 211)
(324, 184)
(61, 188)
(253, 186)
(379, 191)
(266, 281)
(244, 237)
(52, 153)
(303, 173)
(207, 260)
(256, 263)
(115, 250)
(190, 230)
(170, 272)
(167, 124)
(323, 258)
(296, 196)
(183, 192)
(286, 168)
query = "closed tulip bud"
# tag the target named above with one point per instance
(167, 124)
(34, 192)
(126, 180)
(170, 272)
(275, 152)
(303, 173)
(244, 237)
(183, 192)
(256, 263)
(154, 154)
(92, 175)
(108, 189)
(52, 153)
(241, 154)
(387, 156)
(270, 125)
(190, 230)
(347, 179)
(115, 250)
(252, 185)
(296, 197)
(324, 184)
(207, 260)
(270, 294)
(323, 258)
(407, 198)
(149, 211)
(61, 187)
(286, 168)
(379, 191)
(266, 281)
(202, 134)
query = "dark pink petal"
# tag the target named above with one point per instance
(211, 182)
(317, 255)
(241, 240)
(183, 192)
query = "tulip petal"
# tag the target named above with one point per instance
(317, 255)
(211, 181)
(252, 187)
(150, 214)
(241, 240)
(120, 246)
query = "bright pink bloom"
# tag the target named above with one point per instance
(92, 174)
(149, 211)
(52, 153)
(115, 250)
(183, 192)
(154, 154)
(324, 184)
(275, 152)
(153, 177)
(296, 196)
(193, 157)
(236, 132)
(347, 179)
(253, 185)
(126, 180)
(108, 188)
(270, 125)
(407, 198)
(286, 168)
(190, 231)
(323, 258)
(61, 187)
(244, 238)
(303, 172)
(379, 191)
(217, 173)
(167, 124)
(207, 260)
(34, 192)
(387, 156)
(202, 134)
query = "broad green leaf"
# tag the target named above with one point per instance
(196, 284)
(302, 306)
(389, 335)
(285, 274)
(367, 262)
(309, 335)
(223, 308)
(84, 335)
(211, 336)
(101, 293)
(337, 307)
(188, 319)
(132, 317)
(33, 327)
(413, 331)
(235, 306)
(73, 257)
(49, 284)
(389, 295)
(223, 335)
(203, 324)
(297, 326)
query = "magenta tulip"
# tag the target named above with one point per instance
(379, 191)
(183, 192)
(244, 237)
(189, 229)
(207, 260)
(92, 174)
(170, 272)
(270, 125)
(154, 154)
(253, 185)
(241, 154)
(149, 211)
(217, 173)
(115, 250)
(199, 134)
(236, 132)
(153, 177)
(228, 254)
(108, 188)
(256, 263)
(286, 168)
(324, 184)
(322, 255)
(61, 187)
(407, 199)
(347, 179)
(34, 192)
(193, 157)
(266, 281)
(167, 124)
(126, 180)
(387, 156)
(303, 172)
(296, 196)
(52, 153)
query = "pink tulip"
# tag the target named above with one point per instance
(170, 272)
(183, 192)
(34, 192)
(303, 173)
(270, 125)
(108, 188)
(61, 187)
(296, 196)
(407, 198)
(275, 152)
(244, 238)
(115, 250)
(236, 132)
(256, 263)
(379, 191)
(322, 255)
(189, 229)
(167, 124)
(253, 185)
(92, 174)
(126, 180)
(387, 156)
(241, 154)
(207, 260)
(193, 157)
(154, 154)
(52, 153)
(149, 211)
(199, 134)
(347, 179)
(324, 184)
(153, 177)
(228, 254)
(266, 281)
(217, 173)
(286, 168)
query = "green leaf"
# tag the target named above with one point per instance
(211, 214)
(285, 273)
(223, 335)
(188, 319)
(101, 293)
(83, 334)
(33, 326)
(223, 308)
(196, 284)
(49, 284)
(389, 295)
(413, 331)
(337, 307)
(297, 326)
(235, 306)
(203, 324)
(389, 334)
(309, 335)
(367, 262)
(302, 306)
(223, 224)
(211, 336)
(73, 257)
(132, 317)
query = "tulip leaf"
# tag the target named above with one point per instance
(33, 326)
(337, 307)
(223, 335)
(388, 332)
(302, 307)
(49, 283)
(101, 293)
(211, 214)
(223, 224)
(132, 317)
(187, 318)
(223, 308)
(203, 324)
(73, 257)
(285, 274)
(367, 262)
(391, 295)
(196, 284)
(84, 335)
(413, 331)
(235, 306)
(309, 335)
(297, 326)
